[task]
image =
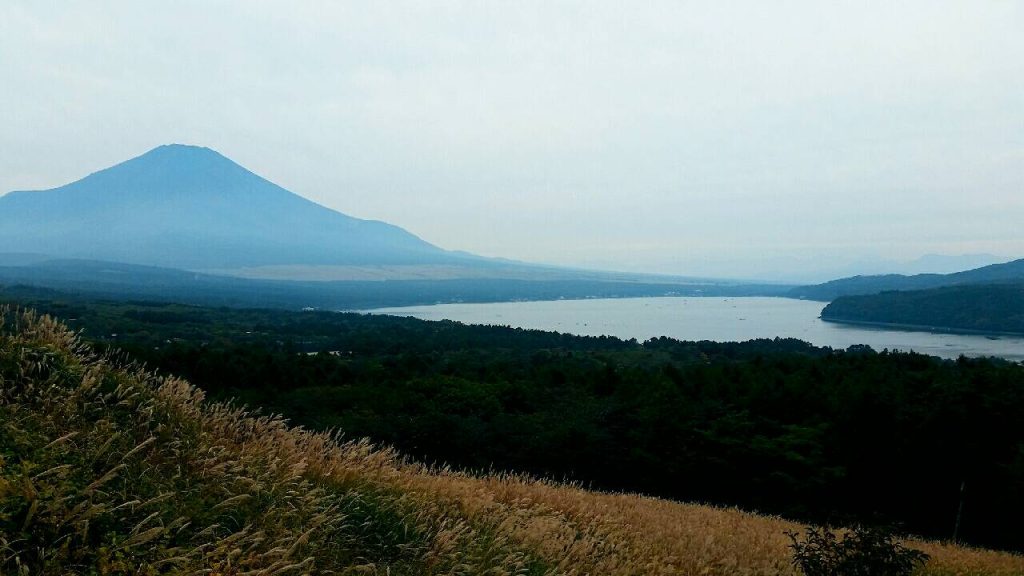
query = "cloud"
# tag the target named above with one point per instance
(556, 131)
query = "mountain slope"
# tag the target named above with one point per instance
(988, 308)
(119, 280)
(109, 469)
(190, 207)
(857, 285)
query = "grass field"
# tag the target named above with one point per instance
(106, 468)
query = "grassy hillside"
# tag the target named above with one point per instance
(106, 468)
(773, 426)
(990, 308)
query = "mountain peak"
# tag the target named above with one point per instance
(191, 207)
(175, 150)
(183, 154)
(178, 169)
(180, 146)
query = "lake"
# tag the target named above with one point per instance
(721, 319)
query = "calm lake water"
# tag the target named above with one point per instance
(721, 319)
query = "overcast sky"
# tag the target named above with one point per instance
(745, 139)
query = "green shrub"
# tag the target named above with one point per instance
(862, 551)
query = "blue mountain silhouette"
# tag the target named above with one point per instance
(190, 207)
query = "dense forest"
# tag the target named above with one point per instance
(777, 426)
(989, 308)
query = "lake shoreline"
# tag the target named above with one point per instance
(921, 327)
(374, 309)
(718, 319)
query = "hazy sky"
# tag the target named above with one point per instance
(718, 138)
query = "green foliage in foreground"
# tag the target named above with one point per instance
(862, 551)
(776, 426)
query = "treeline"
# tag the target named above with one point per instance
(777, 426)
(982, 308)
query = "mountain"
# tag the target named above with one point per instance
(947, 263)
(190, 207)
(804, 270)
(857, 285)
(178, 221)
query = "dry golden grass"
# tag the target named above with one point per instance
(106, 468)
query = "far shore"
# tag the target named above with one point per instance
(921, 327)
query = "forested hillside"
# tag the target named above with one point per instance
(988, 308)
(774, 425)
(106, 468)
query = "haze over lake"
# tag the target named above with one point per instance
(719, 319)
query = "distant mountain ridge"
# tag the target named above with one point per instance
(190, 207)
(131, 281)
(863, 285)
